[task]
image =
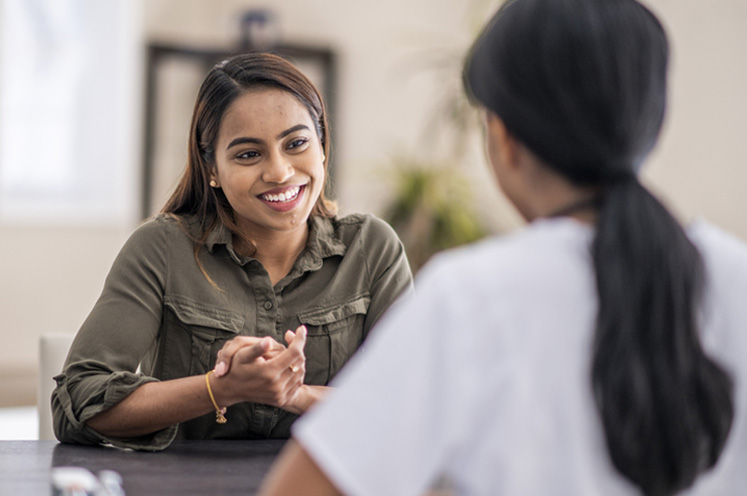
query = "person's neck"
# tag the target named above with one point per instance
(560, 198)
(276, 251)
(582, 207)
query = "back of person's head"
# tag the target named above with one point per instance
(582, 83)
(227, 81)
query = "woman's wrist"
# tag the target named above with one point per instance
(220, 411)
(218, 385)
(302, 400)
(306, 397)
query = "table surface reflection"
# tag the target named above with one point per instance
(184, 468)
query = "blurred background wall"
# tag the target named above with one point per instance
(71, 129)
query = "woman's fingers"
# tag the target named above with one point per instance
(226, 354)
(301, 332)
(295, 371)
(293, 357)
(249, 354)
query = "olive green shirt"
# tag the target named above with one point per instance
(158, 311)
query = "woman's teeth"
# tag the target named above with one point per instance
(286, 196)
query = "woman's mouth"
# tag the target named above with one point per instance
(288, 195)
(285, 200)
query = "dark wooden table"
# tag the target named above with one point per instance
(184, 468)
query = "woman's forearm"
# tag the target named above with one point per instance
(155, 406)
(295, 472)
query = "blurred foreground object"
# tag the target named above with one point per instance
(79, 481)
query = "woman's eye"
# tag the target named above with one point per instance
(297, 143)
(247, 155)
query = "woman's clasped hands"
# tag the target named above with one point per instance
(261, 370)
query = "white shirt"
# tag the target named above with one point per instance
(484, 376)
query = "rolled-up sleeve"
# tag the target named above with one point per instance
(106, 391)
(102, 366)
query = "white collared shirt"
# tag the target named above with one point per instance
(484, 376)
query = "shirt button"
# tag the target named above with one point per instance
(268, 305)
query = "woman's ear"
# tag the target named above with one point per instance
(502, 144)
(214, 178)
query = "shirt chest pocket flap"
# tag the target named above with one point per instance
(334, 333)
(203, 329)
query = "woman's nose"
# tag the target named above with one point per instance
(278, 169)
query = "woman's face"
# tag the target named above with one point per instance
(269, 161)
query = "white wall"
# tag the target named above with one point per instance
(50, 275)
(701, 163)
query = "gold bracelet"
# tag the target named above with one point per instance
(220, 416)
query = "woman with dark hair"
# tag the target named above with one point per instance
(600, 350)
(204, 297)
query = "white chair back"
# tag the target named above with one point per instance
(53, 350)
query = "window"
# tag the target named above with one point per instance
(69, 110)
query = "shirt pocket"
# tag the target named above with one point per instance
(198, 331)
(334, 334)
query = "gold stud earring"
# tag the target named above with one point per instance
(213, 184)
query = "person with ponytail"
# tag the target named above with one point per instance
(226, 315)
(599, 350)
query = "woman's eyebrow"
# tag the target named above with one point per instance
(246, 139)
(242, 140)
(295, 128)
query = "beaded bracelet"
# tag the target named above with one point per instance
(220, 416)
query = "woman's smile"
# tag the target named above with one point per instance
(283, 199)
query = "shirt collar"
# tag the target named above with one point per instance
(220, 235)
(323, 242)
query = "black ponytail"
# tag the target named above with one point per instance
(665, 406)
(583, 84)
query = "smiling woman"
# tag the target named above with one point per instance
(204, 296)
(269, 162)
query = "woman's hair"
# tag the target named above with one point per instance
(224, 83)
(583, 84)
